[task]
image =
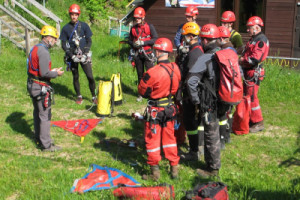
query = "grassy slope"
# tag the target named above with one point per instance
(256, 166)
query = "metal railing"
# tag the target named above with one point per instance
(29, 27)
(23, 22)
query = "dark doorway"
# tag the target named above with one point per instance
(243, 9)
(297, 35)
(247, 9)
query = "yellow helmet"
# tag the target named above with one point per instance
(190, 28)
(49, 30)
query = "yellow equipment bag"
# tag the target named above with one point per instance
(118, 96)
(105, 92)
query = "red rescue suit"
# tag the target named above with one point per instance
(159, 83)
(143, 33)
(255, 52)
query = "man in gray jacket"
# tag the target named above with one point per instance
(38, 85)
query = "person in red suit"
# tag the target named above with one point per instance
(159, 85)
(256, 51)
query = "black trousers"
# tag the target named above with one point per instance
(87, 68)
(141, 61)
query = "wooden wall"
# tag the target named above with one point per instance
(166, 20)
(279, 22)
(279, 26)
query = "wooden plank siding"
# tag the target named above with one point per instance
(166, 20)
(279, 26)
(279, 22)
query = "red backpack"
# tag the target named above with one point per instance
(231, 83)
(208, 191)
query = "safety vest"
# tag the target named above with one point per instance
(258, 44)
(33, 67)
(143, 33)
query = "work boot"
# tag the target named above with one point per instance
(228, 140)
(155, 173)
(190, 156)
(174, 171)
(256, 127)
(79, 100)
(52, 148)
(139, 99)
(206, 173)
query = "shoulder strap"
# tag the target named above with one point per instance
(75, 29)
(171, 76)
(30, 58)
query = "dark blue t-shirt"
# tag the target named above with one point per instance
(85, 32)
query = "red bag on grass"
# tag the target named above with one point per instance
(208, 191)
(165, 192)
(241, 117)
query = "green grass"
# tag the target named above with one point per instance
(255, 166)
(263, 166)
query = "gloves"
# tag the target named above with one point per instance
(183, 49)
(83, 58)
(138, 43)
(75, 59)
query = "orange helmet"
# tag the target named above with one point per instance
(224, 32)
(190, 28)
(139, 12)
(228, 16)
(163, 44)
(255, 20)
(210, 31)
(74, 8)
(191, 11)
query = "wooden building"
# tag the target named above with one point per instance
(281, 18)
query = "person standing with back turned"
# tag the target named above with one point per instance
(76, 41)
(204, 74)
(159, 85)
(39, 87)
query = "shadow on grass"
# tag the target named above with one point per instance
(63, 91)
(120, 150)
(293, 160)
(20, 125)
(258, 194)
(245, 192)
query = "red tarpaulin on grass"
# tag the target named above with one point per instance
(80, 127)
(103, 178)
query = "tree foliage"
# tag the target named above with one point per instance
(101, 9)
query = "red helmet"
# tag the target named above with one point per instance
(163, 44)
(224, 32)
(139, 12)
(191, 11)
(228, 16)
(210, 31)
(255, 20)
(74, 8)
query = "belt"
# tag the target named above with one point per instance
(161, 102)
(44, 83)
